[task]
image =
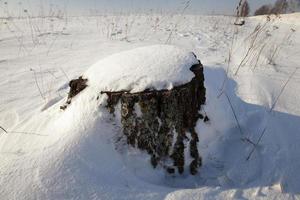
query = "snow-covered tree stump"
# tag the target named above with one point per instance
(159, 121)
(163, 122)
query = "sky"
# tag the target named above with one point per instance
(86, 6)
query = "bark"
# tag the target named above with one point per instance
(166, 124)
(76, 86)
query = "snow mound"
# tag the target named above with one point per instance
(151, 67)
(75, 153)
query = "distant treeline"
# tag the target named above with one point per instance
(279, 7)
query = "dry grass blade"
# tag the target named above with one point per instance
(186, 6)
(258, 141)
(254, 42)
(21, 132)
(259, 55)
(282, 89)
(65, 74)
(3, 129)
(26, 133)
(234, 114)
(275, 51)
(230, 52)
(37, 84)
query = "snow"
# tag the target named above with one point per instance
(79, 154)
(152, 67)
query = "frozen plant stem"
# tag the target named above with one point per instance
(3, 129)
(187, 4)
(271, 109)
(18, 132)
(65, 74)
(234, 38)
(258, 141)
(259, 54)
(282, 89)
(276, 50)
(234, 114)
(37, 84)
(254, 36)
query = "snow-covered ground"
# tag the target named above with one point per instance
(249, 147)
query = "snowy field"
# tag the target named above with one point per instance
(250, 147)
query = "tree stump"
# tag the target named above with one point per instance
(163, 122)
(160, 122)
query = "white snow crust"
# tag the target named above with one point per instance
(151, 67)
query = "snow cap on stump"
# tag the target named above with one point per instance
(154, 67)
